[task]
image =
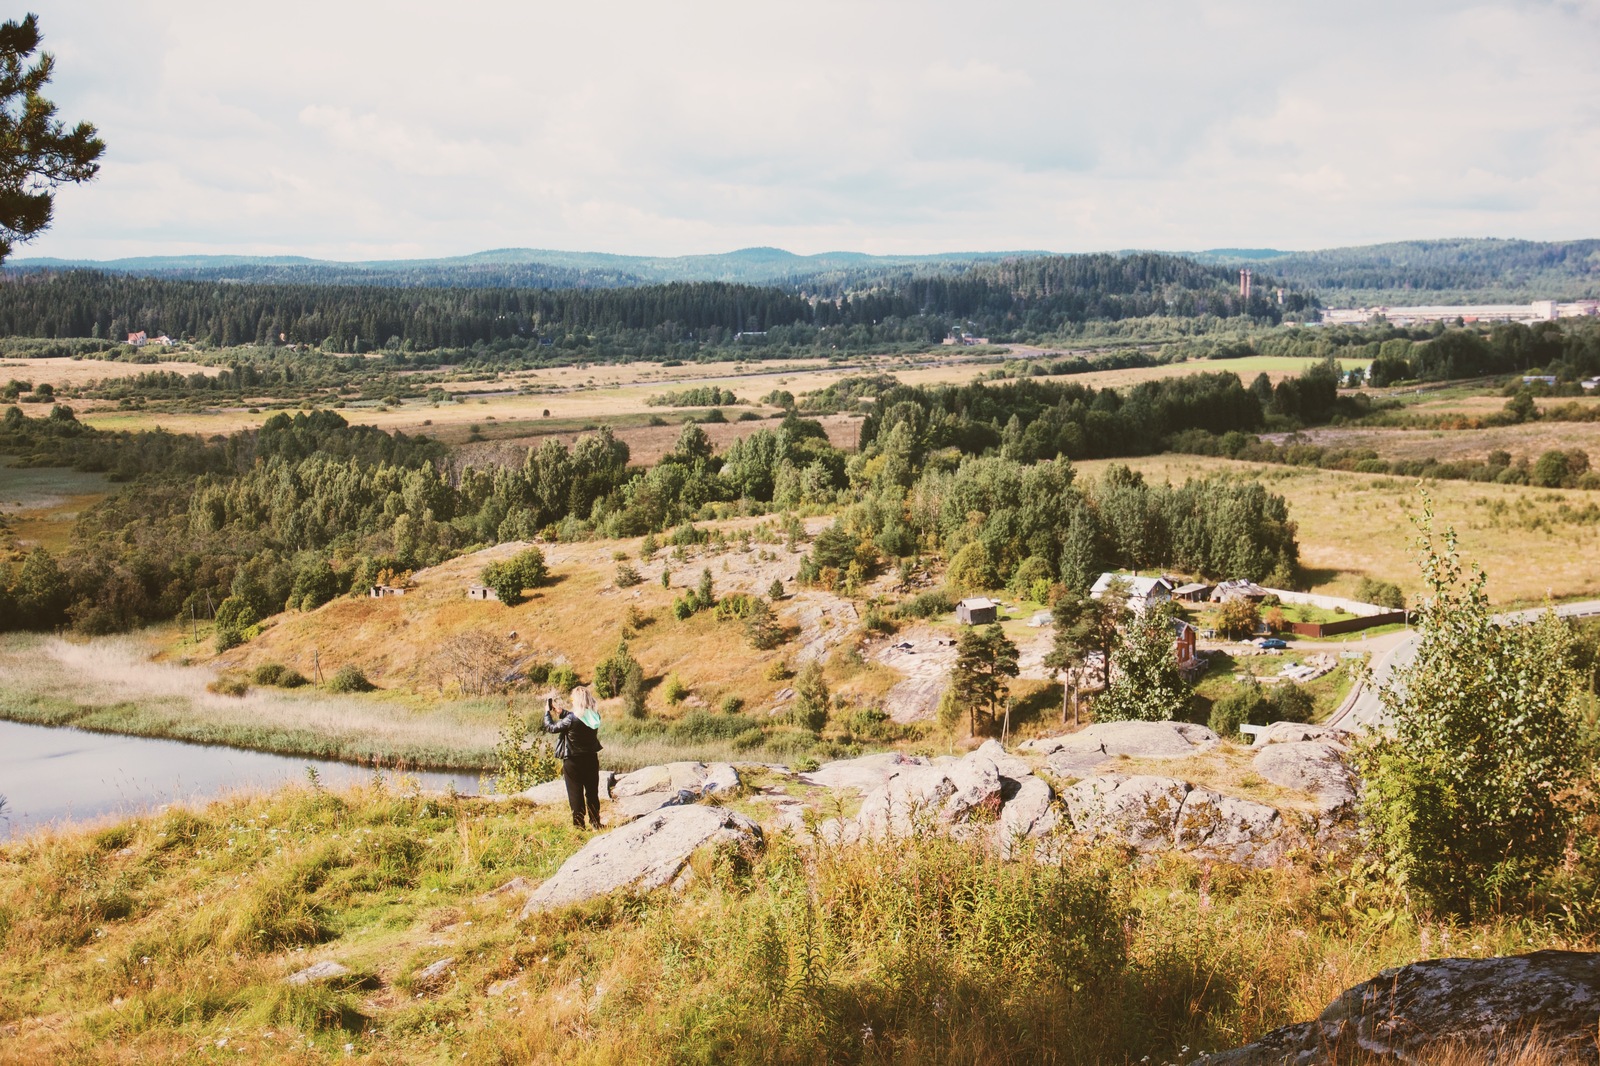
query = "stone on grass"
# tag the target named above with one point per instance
(1293, 732)
(643, 856)
(318, 973)
(629, 808)
(1029, 812)
(933, 796)
(1489, 1007)
(432, 974)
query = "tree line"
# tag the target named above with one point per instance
(1021, 297)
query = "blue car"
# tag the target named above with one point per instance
(1273, 644)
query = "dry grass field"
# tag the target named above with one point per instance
(1530, 440)
(570, 397)
(1533, 543)
(64, 372)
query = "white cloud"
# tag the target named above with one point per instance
(366, 129)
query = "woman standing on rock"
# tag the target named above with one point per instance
(578, 747)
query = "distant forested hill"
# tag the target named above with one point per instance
(528, 268)
(1437, 271)
(1016, 299)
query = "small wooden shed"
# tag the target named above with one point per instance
(977, 612)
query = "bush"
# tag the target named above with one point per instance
(1245, 705)
(732, 705)
(812, 700)
(349, 678)
(278, 675)
(611, 673)
(699, 727)
(927, 605)
(563, 678)
(229, 686)
(525, 570)
(1290, 703)
(523, 760)
(1382, 593)
(674, 690)
(627, 576)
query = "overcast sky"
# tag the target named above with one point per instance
(358, 129)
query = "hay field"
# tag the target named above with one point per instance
(63, 371)
(1530, 440)
(1533, 543)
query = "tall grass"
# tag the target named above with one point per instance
(148, 939)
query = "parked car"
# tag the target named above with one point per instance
(1273, 644)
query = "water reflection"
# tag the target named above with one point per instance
(54, 776)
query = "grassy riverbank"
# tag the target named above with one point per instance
(109, 685)
(169, 937)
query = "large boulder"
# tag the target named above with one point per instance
(628, 808)
(721, 780)
(673, 777)
(1141, 811)
(648, 854)
(948, 792)
(1214, 826)
(1006, 764)
(1029, 812)
(1489, 1006)
(1315, 766)
(1152, 814)
(1075, 754)
(863, 774)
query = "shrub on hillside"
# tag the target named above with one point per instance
(509, 579)
(1382, 593)
(349, 678)
(278, 676)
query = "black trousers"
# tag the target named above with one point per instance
(582, 774)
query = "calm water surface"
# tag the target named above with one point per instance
(52, 775)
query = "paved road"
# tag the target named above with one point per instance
(1364, 710)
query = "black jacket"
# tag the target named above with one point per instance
(572, 736)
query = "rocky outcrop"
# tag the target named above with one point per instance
(1152, 814)
(1028, 812)
(553, 793)
(1490, 1006)
(674, 784)
(673, 777)
(864, 774)
(642, 856)
(1315, 766)
(1228, 829)
(1077, 754)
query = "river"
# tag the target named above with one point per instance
(56, 776)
